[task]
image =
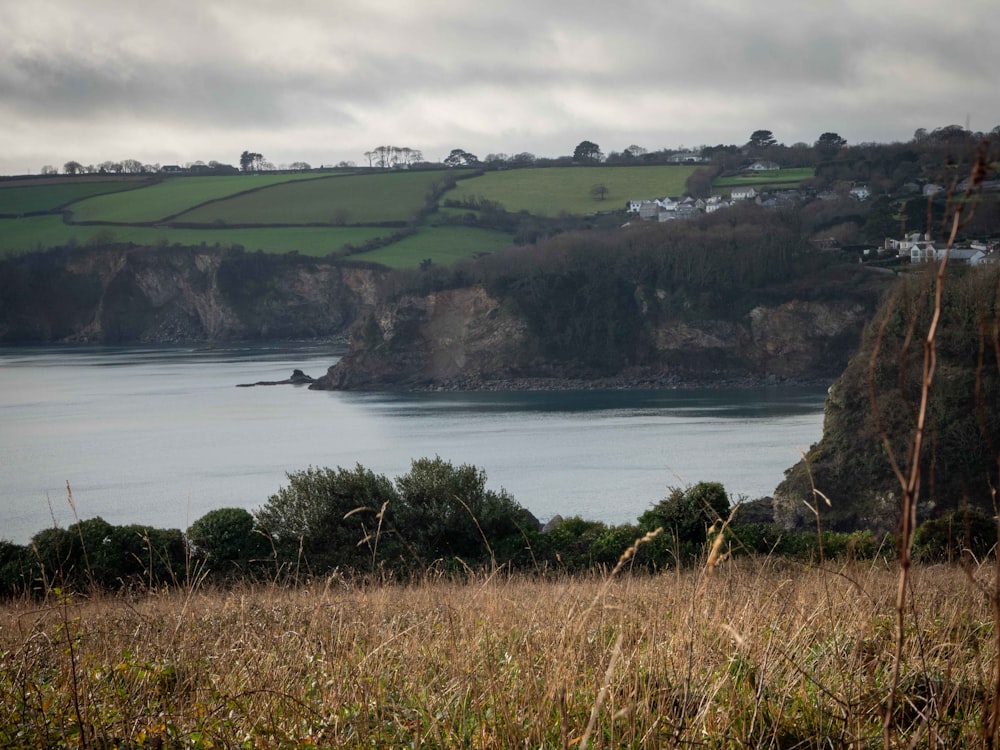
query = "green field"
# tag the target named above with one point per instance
(40, 232)
(442, 245)
(172, 196)
(783, 177)
(359, 199)
(236, 209)
(557, 190)
(18, 199)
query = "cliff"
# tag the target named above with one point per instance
(871, 413)
(123, 294)
(468, 338)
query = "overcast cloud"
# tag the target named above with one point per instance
(326, 80)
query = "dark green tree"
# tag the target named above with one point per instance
(461, 158)
(828, 145)
(250, 161)
(762, 139)
(587, 151)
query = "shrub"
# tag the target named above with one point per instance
(327, 518)
(954, 535)
(446, 511)
(96, 553)
(227, 538)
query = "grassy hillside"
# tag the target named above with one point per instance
(550, 192)
(360, 199)
(752, 654)
(442, 245)
(172, 196)
(39, 232)
(285, 212)
(17, 198)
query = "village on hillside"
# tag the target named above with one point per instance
(913, 247)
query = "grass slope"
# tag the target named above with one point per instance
(753, 655)
(172, 196)
(552, 191)
(18, 198)
(352, 199)
(40, 232)
(441, 245)
(784, 177)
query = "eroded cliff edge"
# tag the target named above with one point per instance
(468, 338)
(125, 294)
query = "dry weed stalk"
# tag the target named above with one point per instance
(908, 473)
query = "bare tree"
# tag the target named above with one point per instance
(599, 192)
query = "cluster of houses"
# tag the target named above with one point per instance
(920, 248)
(669, 209)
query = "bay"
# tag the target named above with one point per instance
(161, 435)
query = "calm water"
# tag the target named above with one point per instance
(161, 436)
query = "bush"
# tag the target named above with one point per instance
(327, 518)
(227, 538)
(96, 553)
(954, 535)
(444, 511)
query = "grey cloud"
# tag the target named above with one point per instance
(862, 68)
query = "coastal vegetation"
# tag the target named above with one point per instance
(874, 407)
(860, 607)
(729, 652)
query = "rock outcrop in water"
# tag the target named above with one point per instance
(297, 378)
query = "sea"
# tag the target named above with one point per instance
(162, 435)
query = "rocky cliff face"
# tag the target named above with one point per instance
(131, 295)
(464, 338)
(459, 335)
(873, 407)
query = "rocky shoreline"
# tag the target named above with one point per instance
(612, 383)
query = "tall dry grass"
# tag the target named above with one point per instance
(760, 653)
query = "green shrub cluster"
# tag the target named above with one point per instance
(442, 517)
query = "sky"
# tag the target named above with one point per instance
(323, 81)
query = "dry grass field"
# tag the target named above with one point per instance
(752, 653)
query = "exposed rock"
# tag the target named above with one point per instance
(872, 409)
(459, 334)
(127, 294)
(463, 339)
(297, 378)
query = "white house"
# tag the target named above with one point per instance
(763, 166)
(685, 157)
(743, 194)
(860, 192)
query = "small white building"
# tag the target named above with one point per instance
(743, 194)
